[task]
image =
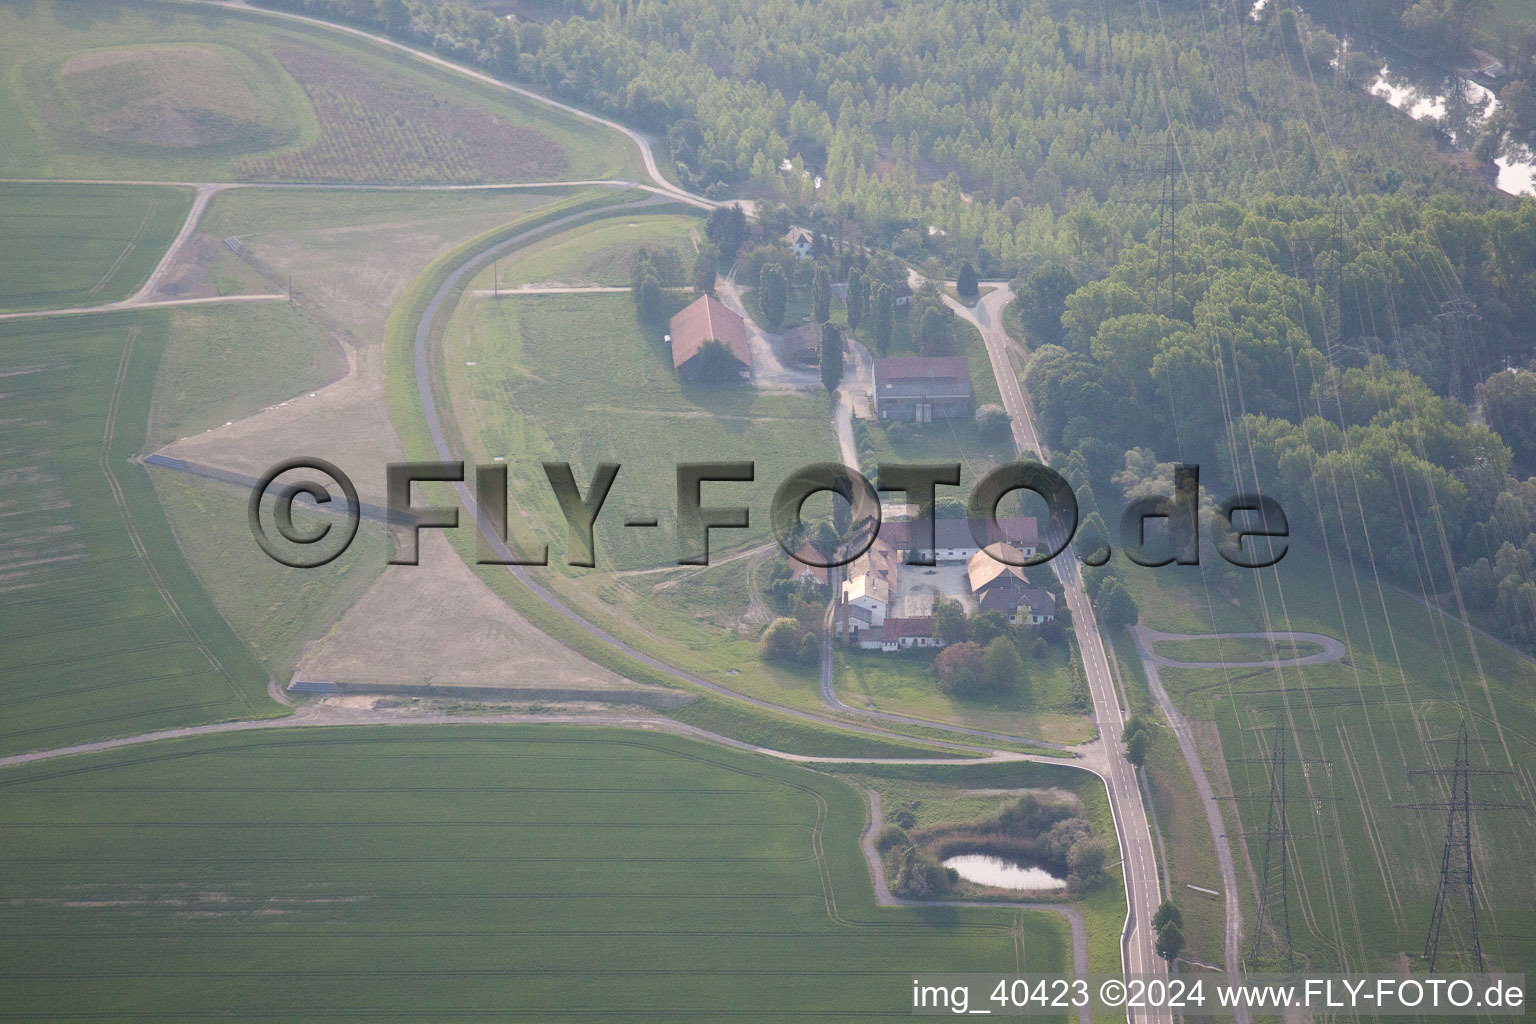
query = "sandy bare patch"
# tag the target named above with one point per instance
(345, 423)
(127, 96)
(438, 624)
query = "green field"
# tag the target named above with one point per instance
(350, 253)
(274, 609)
(82, 245)
(1367, 869)
(904, 683)
(106, 630)
(1236, 649)
(576, 379)
(433, 873)
(82, 95)
(600, 253)
(223, 363)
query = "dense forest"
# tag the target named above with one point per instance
(1225, 251)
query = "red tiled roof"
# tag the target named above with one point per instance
(703, 319)
(805, 562)
(896, 629)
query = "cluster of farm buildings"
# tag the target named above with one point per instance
(915, 389)
(886, 604)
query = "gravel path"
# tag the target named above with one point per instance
(323, 715)
(1332, 650)
(885, 898)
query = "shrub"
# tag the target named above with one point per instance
(1002, 669)
(992, 422)
(809, 652)
(960, 670)
(891, 837)
(780, 641)
(919, 876)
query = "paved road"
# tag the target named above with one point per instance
(1151, 662)
(33, 314)
(206, 190)
(1332, 650)
(1142, 881)
(1232, 943)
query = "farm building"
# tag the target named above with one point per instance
(800, 241)
(866, 599)
(1036, 606)
(921, 389)
(803, 566)
(900, 634)
(703, 320)
(954, 541)
(802, 345)
(998, 586)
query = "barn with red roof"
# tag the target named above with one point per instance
(706, 319)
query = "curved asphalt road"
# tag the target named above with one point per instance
(1332, 650)
(434, 425)
(1143, 886)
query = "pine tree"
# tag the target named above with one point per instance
(821, 295)
(774, 299)
(705, 266)
(965, 283)
(831, 357)
(858, 295)
(883, 318)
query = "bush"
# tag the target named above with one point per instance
(965, 282)
(1002, 668)
(809, 652)
(919, 876)
(1085, 862)
(781, 640)
(892, 837)
(993, 422)
(960, 668)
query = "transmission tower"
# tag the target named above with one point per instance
(1456, 870)
(1275, 879)
(1460, 313)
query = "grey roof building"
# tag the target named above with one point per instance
(921, 389)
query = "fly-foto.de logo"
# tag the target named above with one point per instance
(1249, 531)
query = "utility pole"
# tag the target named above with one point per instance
(1275, 882)
(1460, 312)
(1458, 847)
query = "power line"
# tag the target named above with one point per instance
(1458, 846)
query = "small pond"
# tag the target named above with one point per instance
(985, 869)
